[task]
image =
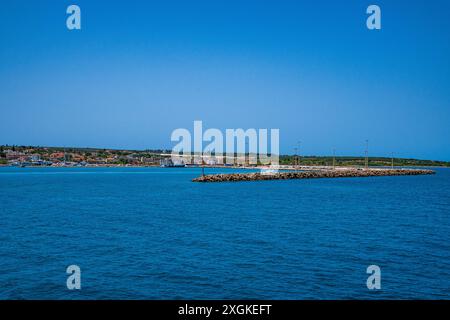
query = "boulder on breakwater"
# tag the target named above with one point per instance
(312, 174)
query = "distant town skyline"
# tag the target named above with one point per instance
(33, 156)
(137, 71)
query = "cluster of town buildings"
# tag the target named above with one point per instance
(59, 157)
(54, 157)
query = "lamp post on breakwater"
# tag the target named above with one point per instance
(294, 162)
(334, 158)
(392, 160)
(367, 154)
(246, 154)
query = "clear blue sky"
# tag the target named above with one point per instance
(139, 69)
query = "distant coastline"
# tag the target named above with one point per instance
(33, 156)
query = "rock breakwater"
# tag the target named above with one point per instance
(312, 174)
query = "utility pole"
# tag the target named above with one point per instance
(246, 154)
(334, 158)
(295, 157)
(392, 161)
(298, 157)
(367, 154)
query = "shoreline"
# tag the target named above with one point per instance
(283, 167)
(312, 168)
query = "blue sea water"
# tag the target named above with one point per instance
(151, 233)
